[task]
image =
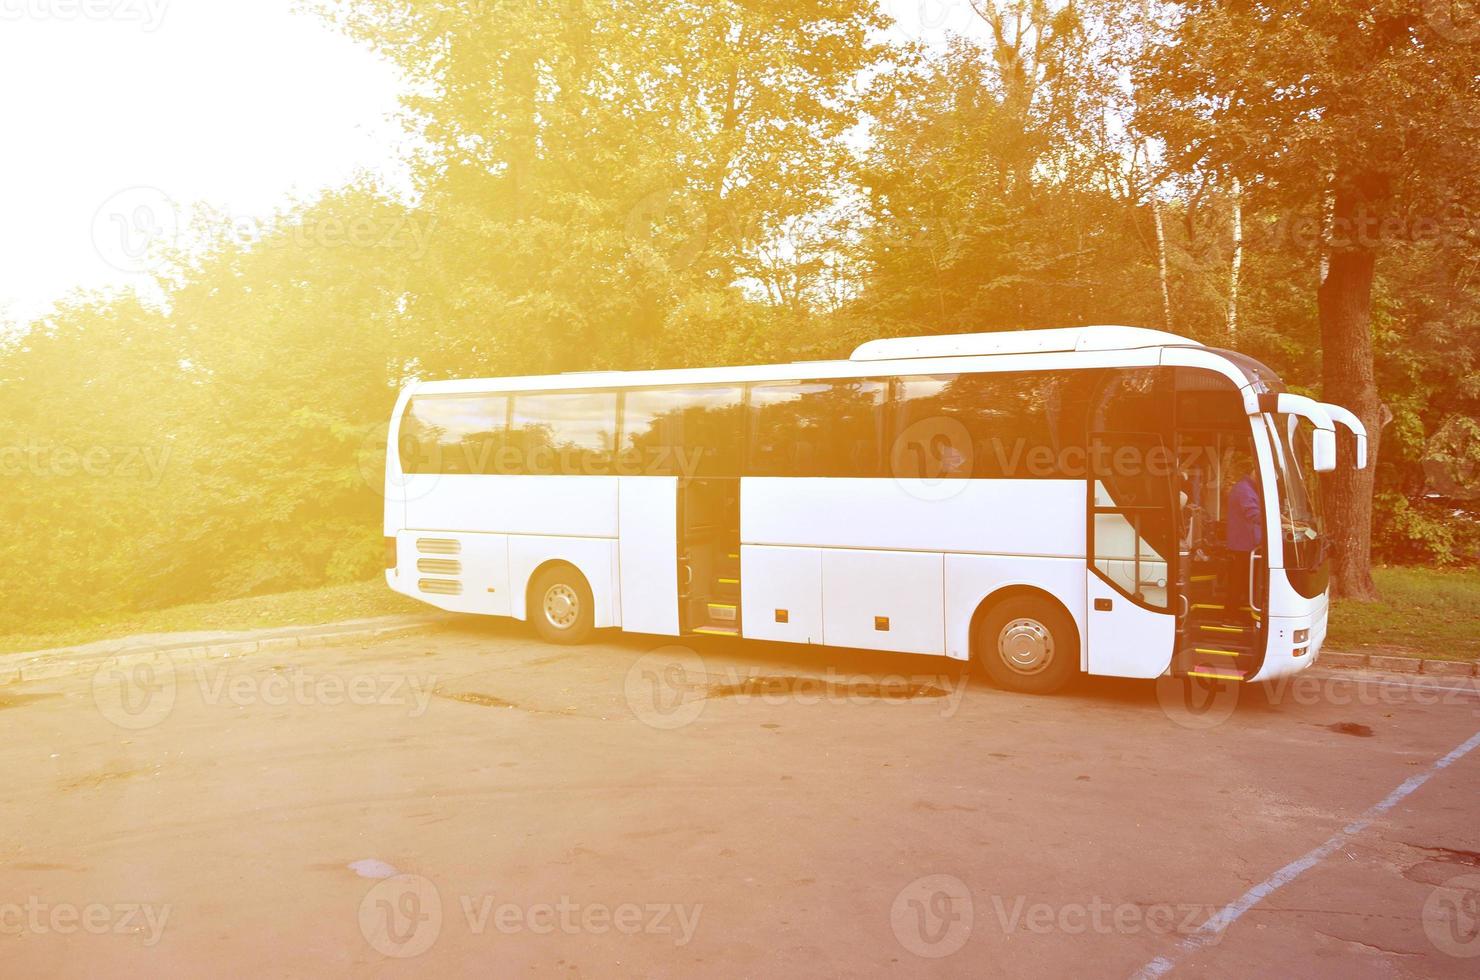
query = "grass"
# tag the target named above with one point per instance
(1423, 612)
(310, 607)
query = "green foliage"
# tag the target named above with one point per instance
(1423, 612)
(606, 184)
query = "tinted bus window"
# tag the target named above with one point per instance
(453, 434)
(981, 426)
(566, 433)
(689, 432)
(817, 428)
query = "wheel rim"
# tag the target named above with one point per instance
(1026, 646)
(562, 606)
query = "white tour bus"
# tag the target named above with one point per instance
(1041, 502)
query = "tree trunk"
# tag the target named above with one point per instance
(1345, 301)
(1235, 266)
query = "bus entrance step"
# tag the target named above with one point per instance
(716, 631)
(1231, 674)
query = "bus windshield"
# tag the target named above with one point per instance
(1300, 514)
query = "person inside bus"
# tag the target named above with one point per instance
(1243, 527)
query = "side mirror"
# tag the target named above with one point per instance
(1323, 450)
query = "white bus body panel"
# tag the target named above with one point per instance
(1127, 640)
(483, 577)
(906, 589)
(596, 558)
(923, 553)
(648, 553)
(972, 578)
(557, 506)
(781, 578)
(1002, 517)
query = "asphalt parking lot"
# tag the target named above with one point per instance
(473, 802)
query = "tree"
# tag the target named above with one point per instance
(608, 173)
(1361, 104)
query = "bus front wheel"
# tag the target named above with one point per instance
(1027, 643)
(560, 605)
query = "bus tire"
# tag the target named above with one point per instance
(560, 605)
(1027, 643)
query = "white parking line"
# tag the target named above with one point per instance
(1210, 930)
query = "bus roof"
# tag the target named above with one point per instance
(1006, 350)
(1018, 342)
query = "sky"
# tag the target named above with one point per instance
(121, 116)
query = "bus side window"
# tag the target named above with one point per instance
(690, 432)
(562, 433)
(453, 434)
(817, 428)
(1001, 419)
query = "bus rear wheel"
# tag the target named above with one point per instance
(1027, 643)
(560, 605)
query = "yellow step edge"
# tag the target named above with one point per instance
(729, 581)
(711, 631)
(734, 554)
(1205, 605)
(1203, 578)
(1216, 677)
(1221, 629)
(720, 605)
(1216, 653)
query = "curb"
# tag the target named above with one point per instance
(53, 667)
(1399, 665)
